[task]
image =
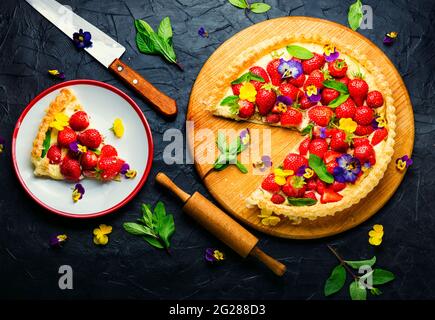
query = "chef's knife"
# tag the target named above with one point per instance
(107, 51)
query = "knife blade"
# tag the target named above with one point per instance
(105, 50)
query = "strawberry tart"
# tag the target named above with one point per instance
(340, 103)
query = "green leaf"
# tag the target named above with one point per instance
(360, 263)
(138, 229)
(299, 52)
(316, 163)
(229, 100)
(165, 30)
(159, 216)
(241, 167)
(143, 27)
(381, 276)
(335, 281)
(248, 76)
(220, 166)
(308, 130)
(375, 291)
(167, 229)
(355, 15)
(46, 143)
(221, 142)
(234, 146)
(242, 4)
(144, 44)
(163, 47)
(147, 215)
(336, 85)
(300, 202)
(338, 101)
(259, 7)
(154, 242)
(357, 292)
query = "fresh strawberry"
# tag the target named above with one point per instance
(310, 195)
(277, 198)
(312, 184)
(289, 90)
(330, 160)
(379, 135)
(331, 166)
(54, 154)
(338, 141)
(259, 71)
(70, 169)
(292, 117)
(316, 79)
(90, 138)
(236, 88)
(338, 186)
(299, 81)
(344, 80)
(89, 160)
(109, 167)
(364, 115)
(358, 89)
(66, 136)
(269, 184)
(320, 186)
(305, 103)
(338, 68)
(79, 121)
(246, 109)
(365, 153)
(363, 130)
(272, 70)
(304, 146)
(294, 161)
(315, 63)
(329, 95)
(346, 110)
(265, 99)
(360, 141)
(295, 187)
(273, 118)
(318, 147)
(330, 195)
(108, 151)
(320, 115)
(375, 99)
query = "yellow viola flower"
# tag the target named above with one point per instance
(403, 162)
(248, 92)
(308, 173)
(100, 234)
(268, 219)
(118, 128)
(81, 148)
(311, 90)
(219, 256)
(281, 175)
(329, 49)
(281, 107)
(348, 125)
(131, 174)
(376, 234)
(61, 120)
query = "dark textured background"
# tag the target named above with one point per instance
(130, 268)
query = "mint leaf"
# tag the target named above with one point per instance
(300, 202)
(143, 27)
(248, 76)
(229, 100)
(358, 264)
(167, 229)
(299, 52)
(221, 142)
(163, 47)
(357, 292)
(355, 15)
(154, 242)
(46, 143)
(336, 85)
(259, 7)
(338, 101)
(335, 281)
(165, 30)
(381, 276)
(138, 229)
(316, 163)
(241, 167)
(242, 4)
(147, 216)
(308, 130)
(144, 44)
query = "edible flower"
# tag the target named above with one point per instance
(281, 175)
(57, 74)
(285, 100)
(263, 164)
(376, 234)
(57, 240)
(305, 172)
(403, 162)
(289, 68)
(322, 132)
(347, 125)
(348, 168)
(100, 234)
(2, 144)
(379, 122)
(78, 192)
(61, 120)
(366, 166)
(82, 39)
(268, 219)
(77, 148)
(276, 54)
(330, 53)
(313, 93)
(127, 172)
(202, 32)
(245, 137)
(390, 37)
(118, 128)
(213, 255)
(248, 92)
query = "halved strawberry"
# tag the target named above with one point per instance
(272, 70)
(330, 195)
(246, 109)
(236, 88)
(54, 154)
(379, 135)
(303, 147)
(363, 130)
(259, 71)
(329, 95)
(320, 115)
(269, 184)
(310, 195)
(338, 186)
(315, 63)
(321, 186)
(294, 161)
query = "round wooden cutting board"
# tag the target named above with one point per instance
(230, 187)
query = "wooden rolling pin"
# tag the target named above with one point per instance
(221, 225)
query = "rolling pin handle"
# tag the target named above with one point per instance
(277, 267)
(164, 180)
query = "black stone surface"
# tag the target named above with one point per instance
(130, 268)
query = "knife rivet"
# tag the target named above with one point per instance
(120, 68)
(135, 81)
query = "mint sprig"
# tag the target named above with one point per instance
(317, 164)
(256, 7)
(46, 143)
(299, 52)
(355, 15)
(229, 153)
(248, 76)
(232, 103)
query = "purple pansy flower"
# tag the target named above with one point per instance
(348, 169)
(82, 39)
(407, 160)
(313, 93)
(245, 137)
(74, 147)
(290, 68)
(301, 171)
(284, 99)
(330, 53)
(125, 167)
(202, 32)
(390, 38)
(57, 74)
(323, 132)
(264, 163)
(213, 255)
(57, 240)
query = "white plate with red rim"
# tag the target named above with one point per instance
(103, 103)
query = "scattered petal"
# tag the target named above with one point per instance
(78, 192)
(376, 234)
(202, 32)
(57, 74)
(125, 167)
(404, 162)
(100, 234)
(131, 174)
(57, 240)
(118, 128)
(263, 164)
(245, 137)
(390, 38)
(213, 255)
(82, 39)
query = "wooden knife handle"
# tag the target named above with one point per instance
(161, 102)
